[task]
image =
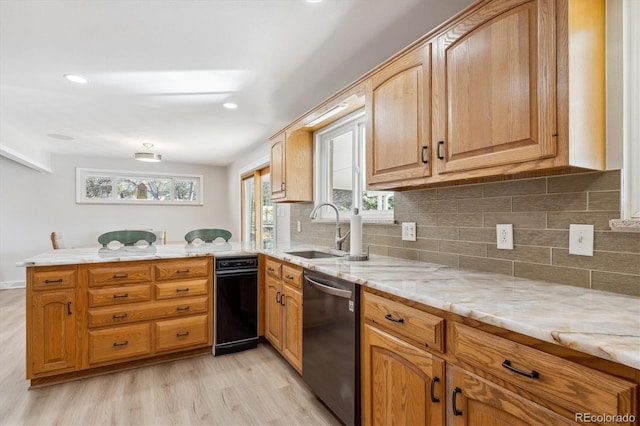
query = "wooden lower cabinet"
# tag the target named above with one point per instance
(117, 343)
(292, 319)
(401, 384)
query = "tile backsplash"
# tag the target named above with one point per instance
(456, 226)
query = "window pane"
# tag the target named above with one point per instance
(268, 219)
(249, 209)
(341, 170)
(143, 189)
(186, 189)
(98, 187)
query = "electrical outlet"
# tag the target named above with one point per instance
(504, 236)
(581, 240)
(408, 231)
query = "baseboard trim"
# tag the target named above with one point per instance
(8, 285)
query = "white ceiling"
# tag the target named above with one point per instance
(159, 71)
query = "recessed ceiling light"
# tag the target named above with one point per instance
(76, 78)
(230, 105)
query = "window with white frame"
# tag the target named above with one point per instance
(124, 187)
(340, 172)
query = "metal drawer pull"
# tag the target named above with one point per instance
(289, 277)
(454, 398)
(125, 343)
(271, 270)
(391, 318)
(440, 145)
(186, 333)
(425, 159)
(182, 290)
(182, 271)
(119, 316)
(433, 385)
(120, 296)
(533, 375)
(185, 308)
(59, 280)
(116, 276)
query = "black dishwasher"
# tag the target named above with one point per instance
(236, 304)
(331, 343)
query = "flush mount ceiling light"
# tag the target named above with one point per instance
(230, 105)
(75, 78)
(333, 111)
(148, 156)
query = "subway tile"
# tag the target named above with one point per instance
(381, 250)
(556, 274)
(439, 206)
(435, 232)
(628, 242)
(595, 181)
(425, 220)
(490, 265)
(421, 244)
(544, 238)
(458, 192)
(550, 202)
(439, 258)
(535, 220)
(522, 253)
(393, 230)
(617, 283)
(387, 240)
(562, 220)
(515, 187)
(419, 195)
(600, 261)
(495, 204)
(486, 235)
(605, 200)
(459, 219)
(463, 247)
(404, 253)
(368, 238)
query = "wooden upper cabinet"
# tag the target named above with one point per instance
(291, 167)
(495, 85)
(398, 104)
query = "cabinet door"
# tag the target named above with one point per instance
(277, 167)
(401, 384)
(273, 312)
(494, 87)
(398, 133)
(477, 401)
(292, 339)
(53, 332)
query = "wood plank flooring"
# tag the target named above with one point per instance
(254, 387)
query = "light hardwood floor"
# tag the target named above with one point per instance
(254, 387)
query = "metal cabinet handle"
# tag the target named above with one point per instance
(278, 298)
(120, 296)
(533, 375)
(186, 333)
(289, 277)
(392, 318)
(182, 308)
(283, 298)
(425, 150)
(439, 153)
(116, 276)
(271, 270)
(121, 316)
(182, 271)
(59, 280)
(282, 186)
(125, 343)
(69, 308)
(434, 398)
(182, 290)
(454, 398)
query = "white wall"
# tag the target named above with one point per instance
(33, 204)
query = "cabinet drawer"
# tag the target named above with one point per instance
(118, 343)
(173, 289)
(576, 387)
(404, 321)
(119, 295)
(183, 269)
(274, 268)
(119, 275)
(54, 279)
(113, 315)
(182, 332)
(292, 276)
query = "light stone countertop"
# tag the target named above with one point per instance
(606, 325)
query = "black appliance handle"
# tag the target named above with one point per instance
(229, 272)
(329, 289)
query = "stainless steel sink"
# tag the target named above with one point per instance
(312, 254)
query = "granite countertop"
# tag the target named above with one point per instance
(606, 325)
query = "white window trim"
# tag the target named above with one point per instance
(321, 174)
(82, 174)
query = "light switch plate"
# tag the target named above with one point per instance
(581, 240)
(504, 236)
(408, 231)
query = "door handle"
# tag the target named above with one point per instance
(454, 400)
(434, 398)
(282, 298)
(533, 375)
(328, 289)
(439, 153)
(278, 298)
(69, 308)
(425, 150)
